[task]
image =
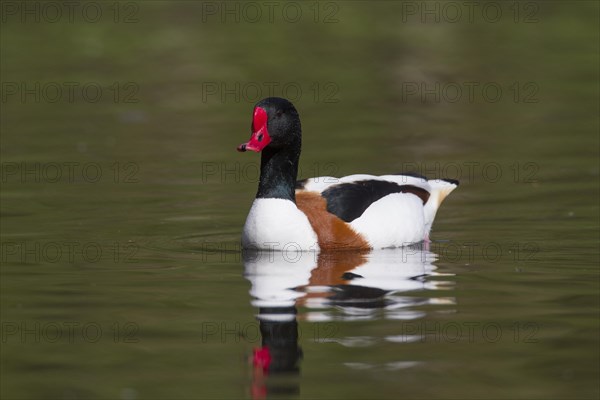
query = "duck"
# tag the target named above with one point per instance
(358, 212)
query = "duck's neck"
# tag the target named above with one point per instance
(278, 173)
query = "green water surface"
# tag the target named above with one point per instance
(121, 271)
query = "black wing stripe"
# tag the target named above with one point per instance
(349, 201)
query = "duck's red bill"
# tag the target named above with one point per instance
(260, 135)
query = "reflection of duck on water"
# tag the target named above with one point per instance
(279, 354)
(274, 280)
(348, 281)
(363, 284)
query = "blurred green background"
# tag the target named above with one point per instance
(501, 95)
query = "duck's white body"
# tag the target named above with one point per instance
(277, 224)
(395, 220)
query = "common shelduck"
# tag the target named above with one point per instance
(350, 213)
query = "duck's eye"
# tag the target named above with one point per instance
(278, 114)
(260, 137)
